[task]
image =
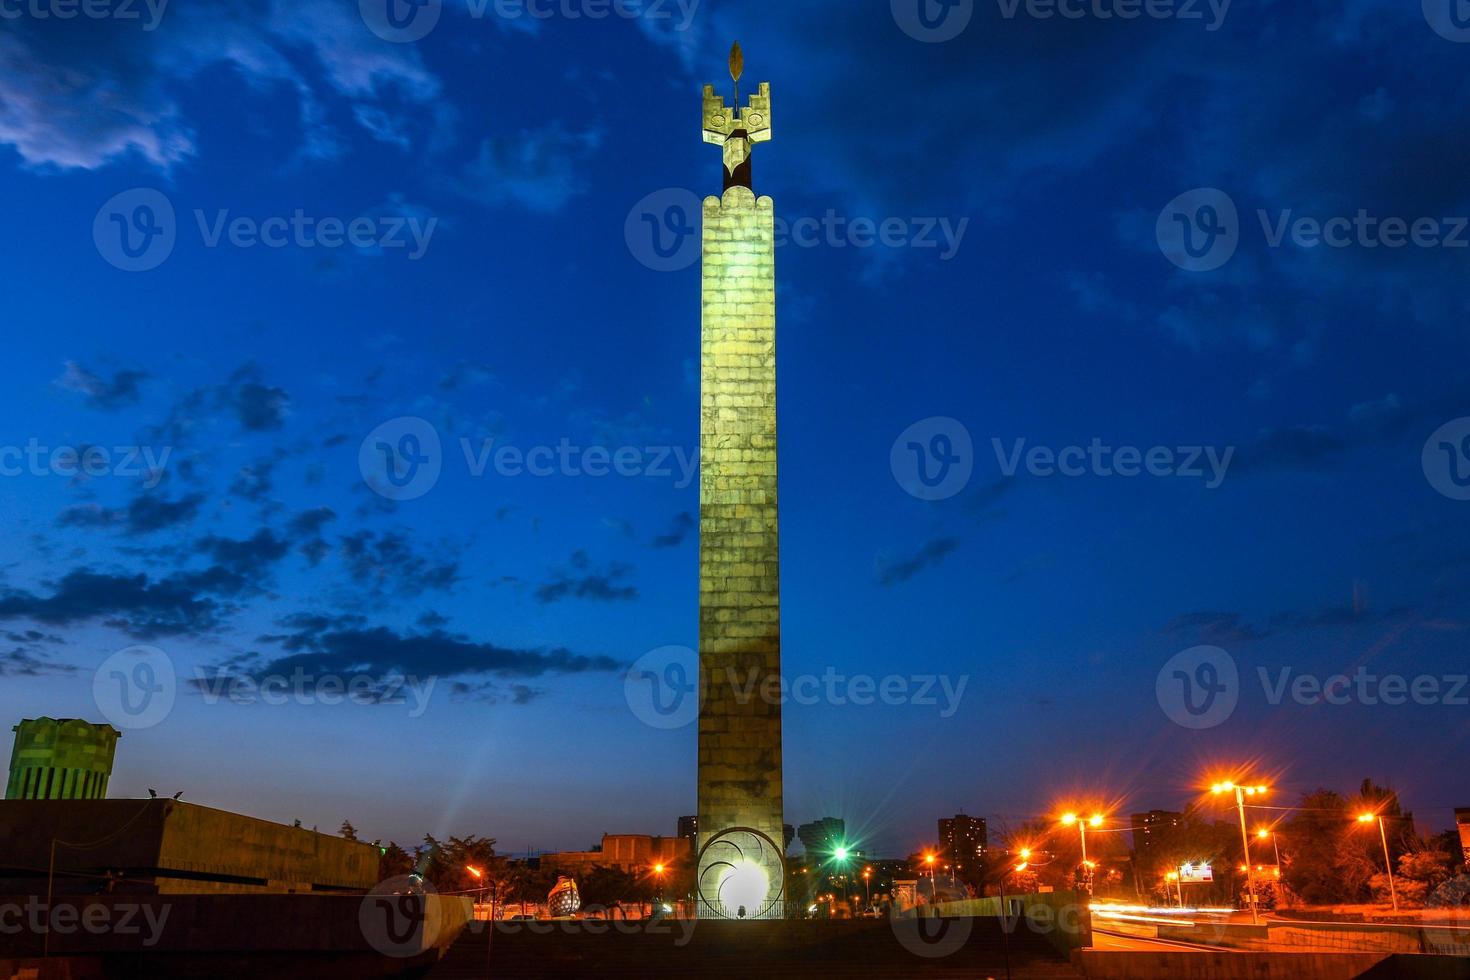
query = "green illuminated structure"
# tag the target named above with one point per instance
(61, 759)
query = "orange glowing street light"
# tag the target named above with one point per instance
(1096, 820)
(1387, 861)
(1241, 792)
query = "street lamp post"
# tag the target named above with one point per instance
(1241, 792)
(867, 888)
(1096, 820)
(1387, 860)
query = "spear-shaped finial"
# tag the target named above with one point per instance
(737, 68)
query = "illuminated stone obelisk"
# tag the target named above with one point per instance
(740, 872)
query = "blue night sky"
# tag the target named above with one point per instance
(537, 311)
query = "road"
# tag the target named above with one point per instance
(1102, 939)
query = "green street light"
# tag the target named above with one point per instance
(840, 854)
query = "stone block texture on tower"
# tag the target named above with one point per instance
(61, 759)
(739, 564)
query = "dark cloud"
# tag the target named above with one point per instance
(254, 481)
(121, 390)
(307, 527)
(388, 563)
(466, 374)
(133, 603)
(580, 580)
(147, 513)
(341, 645)
(1314, 446)
(932, 553)
(150, 512)
(1222, 628)
(683, 524)
(258, 407)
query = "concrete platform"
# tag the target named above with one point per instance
(800, 950)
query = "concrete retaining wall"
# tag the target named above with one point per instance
(1104, 964)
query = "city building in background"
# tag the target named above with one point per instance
(689, 827)
(1462, 823)
(963, 840)
(821, 837)
(61, 759)
(625, 852)
(1150, 829)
